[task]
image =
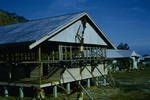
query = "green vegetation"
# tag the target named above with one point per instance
(10, 18)
(123, 46)
(133, 76)
(132, 85)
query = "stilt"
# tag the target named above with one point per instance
(40, 94)
(88, 83)
(10, 74)
(5, 92)
(21, 94)
(55, 91)
(104, 81)
(79, 82)
(96, 81)
(68, 88)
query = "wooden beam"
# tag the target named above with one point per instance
(39, 55)
(84, 90)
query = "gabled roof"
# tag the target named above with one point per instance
(37, 31)
(112, 54)
(147, 57)
(134, 54)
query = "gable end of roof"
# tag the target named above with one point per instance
(62, 27)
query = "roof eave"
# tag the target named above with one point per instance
(108, 41)
(31, 46)
(49, 35)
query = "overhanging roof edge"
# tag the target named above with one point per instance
(60, 28)
(31, 46)
(101, 32)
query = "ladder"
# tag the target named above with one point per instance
(55, 74)
(84, 90)
(111, 81)
(111, 84)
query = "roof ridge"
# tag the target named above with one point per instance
(57, 16)
(45, 18)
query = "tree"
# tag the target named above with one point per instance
(10, 18)
(124, 63)
(123, 46)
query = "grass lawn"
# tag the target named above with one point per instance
(133, 85)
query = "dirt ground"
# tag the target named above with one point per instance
(134, 85)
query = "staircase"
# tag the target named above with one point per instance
(109, 79)
(54, 73)
(35, 73)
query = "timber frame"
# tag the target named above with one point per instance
(20, 65)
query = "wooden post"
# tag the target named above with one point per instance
(104, 81)
(10, 73)
(97, 81)
(21, 94)
(5, 92)
(65, 52)
(55, 91)
(53, 55)
(60, 51)
(88, 83)
(70, 52)
(40, 72)
(68, 88)
(79, 82)
(39, 50)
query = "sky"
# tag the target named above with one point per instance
(126, 21)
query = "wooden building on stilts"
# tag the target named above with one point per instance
(52, 51)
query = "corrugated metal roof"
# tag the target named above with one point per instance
(147, 57)
(113, 54)
(34, 30)
(120, 54)
(38, 31)
(134, 54)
